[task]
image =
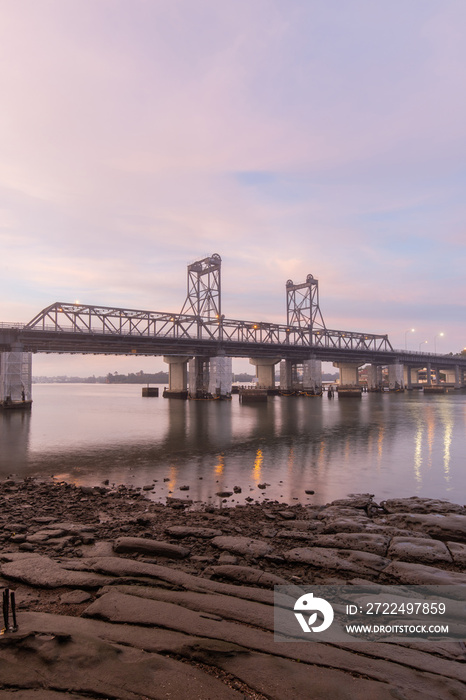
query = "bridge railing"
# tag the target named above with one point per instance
(78, 318)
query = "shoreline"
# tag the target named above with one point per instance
(89, 561)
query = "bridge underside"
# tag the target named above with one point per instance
(93, 343)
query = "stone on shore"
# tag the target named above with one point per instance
(187, 531)
(156, 548)
(443, 527)
(44, 572)
(417, 549)
(361, 563)
(242, 545)
(246, 574)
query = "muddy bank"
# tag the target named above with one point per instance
(121, 597)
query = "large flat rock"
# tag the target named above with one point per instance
(38, 570)
(458, 552)
(415, 504)
(247, 574)
(420, 574)
(245, 546)
(405, 682)
(361, 541)
(192, 531)
(420, 550)
(155, 548)
(361, 563)
(85, 664)
(119, 567)
(443, 527)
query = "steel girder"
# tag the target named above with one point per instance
(83, 319)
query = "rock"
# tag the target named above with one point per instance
(421, 574)
(37, 570)
(458, 553)
(444, 527)
(18, 538)
(362, 563)
(421, 505)
(15, 527)
(247, 574)
(313, 526)
(178, 502)
(242, 545)
(355, 500)
(310, 492)
(287, 514)
(417, 549)
(75, 597)
(295, 535)
(141, 545)
(184, 488)
(226, 558)
(224, 494)
(353, 524)
(361, 541)
(237, 489)
(187, 531)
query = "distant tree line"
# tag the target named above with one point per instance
(138, 378)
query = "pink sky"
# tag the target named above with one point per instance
(288, 136)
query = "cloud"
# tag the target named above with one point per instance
(138, 136)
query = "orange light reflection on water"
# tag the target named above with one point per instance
(257, 469)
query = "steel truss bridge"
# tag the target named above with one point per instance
(202, 330)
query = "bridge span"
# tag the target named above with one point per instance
(204, 337)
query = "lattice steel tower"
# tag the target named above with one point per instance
(302, 305)
(204, 288)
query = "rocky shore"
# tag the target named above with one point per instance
(121, 597)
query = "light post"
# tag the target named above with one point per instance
(410, 330)
(439, 335)
(423, 342)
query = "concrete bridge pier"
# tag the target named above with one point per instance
(209, 376)
(374, 378)
(16, 374)
(265, 371)
(396, 378)
(286, 375)
(429, 373)
(177, 377)
(220, 376)
(454, 376)
(349, 378)
(198, 377)
(312, 375)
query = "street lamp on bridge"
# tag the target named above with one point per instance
(439, 335)
(410, 330)
(423, 342)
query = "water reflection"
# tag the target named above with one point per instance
(387, 444)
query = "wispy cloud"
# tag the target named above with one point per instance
(290, 137)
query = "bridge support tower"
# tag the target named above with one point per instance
(265, 371)
(311, 379)
(374, 378)
(455, 377)
(349, 379)
(210, 377)
(396, 377)
(16, 375)
(177, 377)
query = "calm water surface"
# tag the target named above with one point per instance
(388, 444)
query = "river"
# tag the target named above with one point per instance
(404, 444)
